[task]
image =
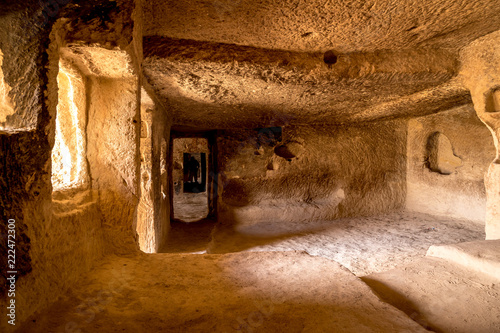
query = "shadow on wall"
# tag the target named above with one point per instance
(316, 173)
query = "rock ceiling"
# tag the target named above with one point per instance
(227, 63)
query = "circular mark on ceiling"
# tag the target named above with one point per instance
(330, 57)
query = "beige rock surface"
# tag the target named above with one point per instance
(211, 85)
(480, 256)
(265, 292)
(480, 74)
(442, 158)
(364, 245)
(441, 296)
(323, 25)
(238, 66)
(343, 171)
(113, 129)
(6, 108)
(462, 193)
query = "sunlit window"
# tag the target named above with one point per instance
(68, 162)
(6, 108)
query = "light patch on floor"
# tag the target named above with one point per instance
(190, 207)
(364, 245)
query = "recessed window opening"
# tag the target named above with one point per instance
(190, 172)
(6, 106)
(68, 162)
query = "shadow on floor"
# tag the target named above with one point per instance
(188, 237)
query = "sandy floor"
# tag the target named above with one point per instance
(190, 207)
(442, 296)
(287, 290)
(240, 292)
(186, 237)
(363, 245)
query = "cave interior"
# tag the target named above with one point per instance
(250, 166)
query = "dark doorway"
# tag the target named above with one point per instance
(195, 172)
(193, 188)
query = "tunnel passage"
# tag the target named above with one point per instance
(192, 181)
(189, 178)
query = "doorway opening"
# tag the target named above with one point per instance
(192, 178)
(195, 172)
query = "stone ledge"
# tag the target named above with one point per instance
(480, 256)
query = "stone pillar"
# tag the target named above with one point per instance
(481, 74)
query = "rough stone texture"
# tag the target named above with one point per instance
(99, 61)
(212, 85)
(315, 25)
(364, 245)
(66, 246)
(344, 171)
(460, 194)
(60, 237)
(482, 256)
(441, 155)
(22, 42)
(290, 150)
(441, 295)
(160, 138)
(480, 73)
(108, 23)
(56, 240)
(112, 134)
(25, 155)
(145, 210)
(248, 292)
(6, 107)
(17, 159)
(69, 165)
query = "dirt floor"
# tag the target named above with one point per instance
(363, 245)
(190, 207)
(186, 237)
(239, 292)
(442, 296)
(273, 285)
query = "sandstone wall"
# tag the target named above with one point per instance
(112, 137)
(153, 213)
(25, 163)
(340, 171)
(479, 73)
(59, 235)
(145, 211)
(159, 174)
(456, 188)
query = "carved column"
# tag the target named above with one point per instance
(481, 74)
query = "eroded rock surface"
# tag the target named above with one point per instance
(441, 157)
